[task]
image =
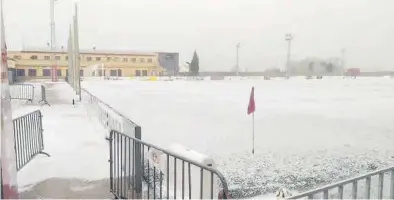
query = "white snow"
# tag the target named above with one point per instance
(307, 131)
(77, 145)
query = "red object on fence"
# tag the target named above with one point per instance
(223, 195)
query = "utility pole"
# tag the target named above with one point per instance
(343, 60)
(288, 38)
(237, 59)
(76, 53)
(53, 40)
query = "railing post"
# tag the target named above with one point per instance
(44, 96)
(354, 190)
(41, 135)
(137, 162)
(380, 186)
(392, 185)
(368, 187)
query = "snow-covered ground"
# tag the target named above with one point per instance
(78, 166)
(307, 132)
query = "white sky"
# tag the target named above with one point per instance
(213, 27)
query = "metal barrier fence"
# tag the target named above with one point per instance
(22, 92)
(43, 100)
(133, 175)
(130, 172)
(374, 185)
(108, 116)
(29, 142)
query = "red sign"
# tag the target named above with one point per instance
(353, 71)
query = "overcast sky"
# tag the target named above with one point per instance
(365, 28)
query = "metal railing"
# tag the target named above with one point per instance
(130, 172)
(22, 92)
(43, 100)
(29, 142)
(374, 185)
(134, 175)
(107, 116)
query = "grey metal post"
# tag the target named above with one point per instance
(138, 164)
(288, 38)
(343, 61)
(237, 58)
(53, 38)
(392, 185)
(76, 51)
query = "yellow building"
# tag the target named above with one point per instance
(38, 64)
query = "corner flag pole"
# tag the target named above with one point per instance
(253, 133)
(251, 109)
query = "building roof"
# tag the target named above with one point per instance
(84, 51)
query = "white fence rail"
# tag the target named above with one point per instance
(374, 185)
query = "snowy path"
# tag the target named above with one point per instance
(78, 166)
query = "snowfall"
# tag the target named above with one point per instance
(308, 133)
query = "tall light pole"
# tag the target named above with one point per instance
(237, 60)
(53, 40)
(343, 60)
(288, 38)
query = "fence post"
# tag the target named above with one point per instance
(138, 164)
(392, 185)
(43, 96)
(32, 92)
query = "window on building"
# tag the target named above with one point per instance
(17, 57)
(108, 59)
(119, 72)
(149, 60)
(133, 60)
(144, 73)
(32, 72)
(169, 57)
(137, 73)
(116, 59)
(142, 60)
(20, 72)
(57, 57)
(125, 60)
(58, 72)
(89, 58)
(113, 72)
(81, 72)
(66, 57)
(33, 57)
(46, 72)
(98, 58)
(47, 57)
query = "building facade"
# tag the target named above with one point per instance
(169, 62)
(30, 64)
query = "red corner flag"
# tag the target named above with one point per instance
(251, 106)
